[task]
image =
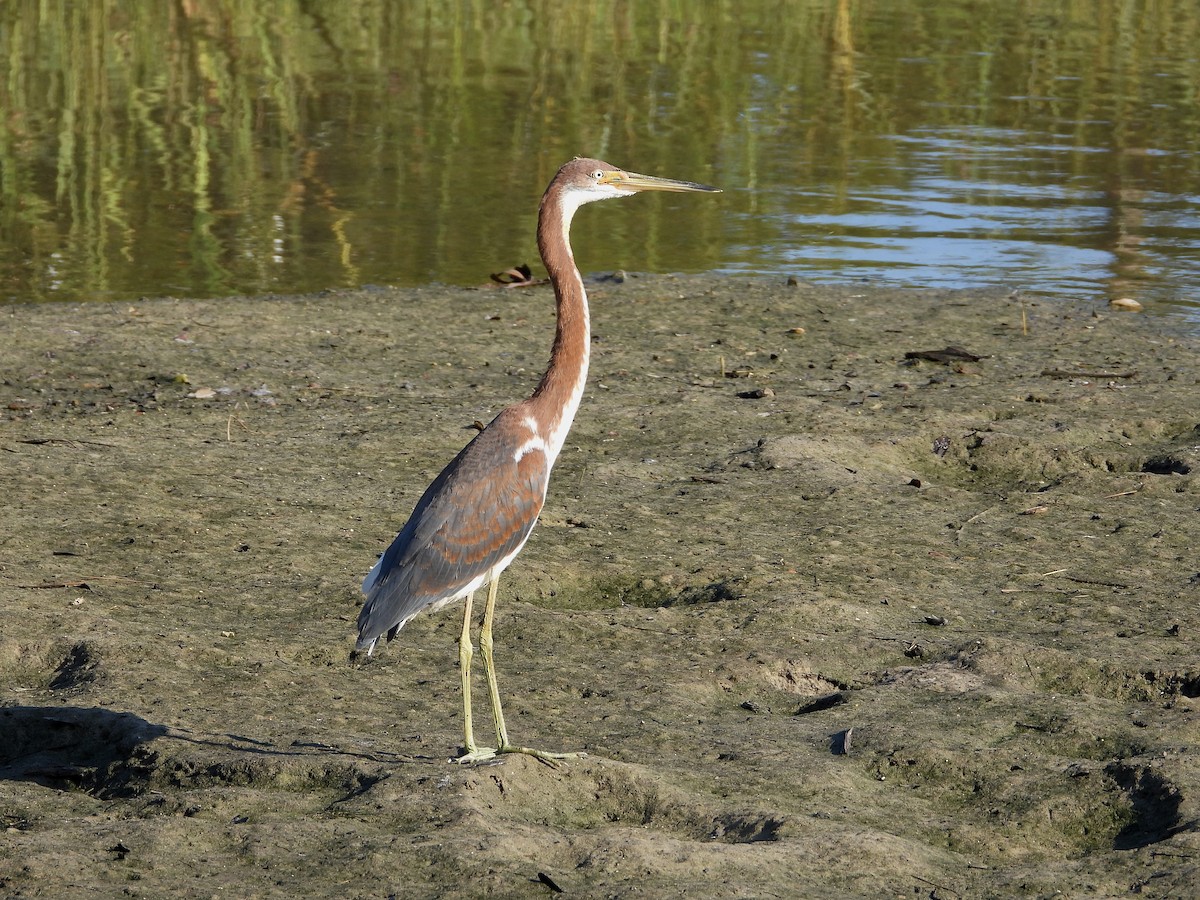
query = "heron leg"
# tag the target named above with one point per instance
(489, 668)
(465, 652)
(489, 665)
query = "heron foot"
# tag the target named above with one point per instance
(543, 755)
(475, 755)
(488, 754)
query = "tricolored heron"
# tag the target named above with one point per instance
(476, 516)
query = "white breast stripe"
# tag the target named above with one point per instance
(533, 442)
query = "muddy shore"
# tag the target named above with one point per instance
(831, 614)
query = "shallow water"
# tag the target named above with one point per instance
(216, 149)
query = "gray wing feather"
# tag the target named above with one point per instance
(479, 510)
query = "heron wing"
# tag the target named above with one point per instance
(475, 516)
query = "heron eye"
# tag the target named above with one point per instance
(597, 174)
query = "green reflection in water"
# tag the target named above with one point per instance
(247, 146)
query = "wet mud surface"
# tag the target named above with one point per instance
(829, 619)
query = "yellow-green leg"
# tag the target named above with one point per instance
(474, 753)
(489, 669)
(489, 666)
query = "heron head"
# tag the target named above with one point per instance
(599, 180)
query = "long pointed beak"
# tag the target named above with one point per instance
(632, 181)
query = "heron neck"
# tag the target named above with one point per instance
(557, 396)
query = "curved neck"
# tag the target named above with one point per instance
(557, 396)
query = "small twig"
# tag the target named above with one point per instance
(958, 531)
(945, 356)
(1096, 581)
(1174, 855)
(1067, 373)
(229, 425)
(936, 886)
(70, 442)
(86, 584)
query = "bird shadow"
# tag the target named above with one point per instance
(67, 747)
(108, 754)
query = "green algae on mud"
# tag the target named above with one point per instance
(991, 563)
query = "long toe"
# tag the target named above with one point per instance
(478, 755)
(543, 755)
